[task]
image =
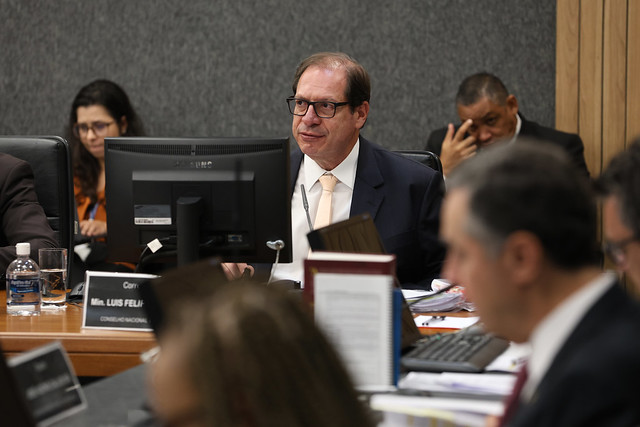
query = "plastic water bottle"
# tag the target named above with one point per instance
(23, 284)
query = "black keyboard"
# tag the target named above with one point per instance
(454, 352)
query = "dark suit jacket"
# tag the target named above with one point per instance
(595, 378)
(403, 197)
(22, 219)
(570, 142)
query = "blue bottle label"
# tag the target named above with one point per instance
(23, 286)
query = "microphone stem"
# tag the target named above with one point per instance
(305, 204)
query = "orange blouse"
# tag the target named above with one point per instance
(84, 206)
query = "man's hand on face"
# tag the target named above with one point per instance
(456, 148)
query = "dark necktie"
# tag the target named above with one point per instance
(511, 404)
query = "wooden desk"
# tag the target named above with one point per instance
(93, 352)
(433, 331)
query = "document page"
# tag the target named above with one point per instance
(356, 313)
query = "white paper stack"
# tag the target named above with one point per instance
(447, 301)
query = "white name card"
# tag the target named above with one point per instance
(112, 301)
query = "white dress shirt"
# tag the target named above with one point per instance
(341, 206)
(550, 334)
(518, 126)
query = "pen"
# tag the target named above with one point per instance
(93, 212)
(433, 318)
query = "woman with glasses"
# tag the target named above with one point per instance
(101, 109)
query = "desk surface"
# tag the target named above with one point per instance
(93, 352)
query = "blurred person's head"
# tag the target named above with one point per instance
(619, 184)
(250, 355)
(100, 109)
(520, 225)
(484, 99)
(339, 88)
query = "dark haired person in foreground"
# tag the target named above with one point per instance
(489, 114)
(21, 216)
(520, 225)
(620, 186)
(249, 355)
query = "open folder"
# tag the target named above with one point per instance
(359, 234)
(358, 307)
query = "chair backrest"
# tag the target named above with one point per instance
(427, 158)
(50, 160)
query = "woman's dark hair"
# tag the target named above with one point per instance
(86, 168)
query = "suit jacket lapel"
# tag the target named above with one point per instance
(296, 160)
(612, 300)
(527, 128)
(366, 195)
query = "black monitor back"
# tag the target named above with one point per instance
(242, 185)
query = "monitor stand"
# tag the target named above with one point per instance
(188, 212)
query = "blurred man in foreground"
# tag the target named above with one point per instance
(520, 225)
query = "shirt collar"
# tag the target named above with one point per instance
(345, 171)
(518, 126)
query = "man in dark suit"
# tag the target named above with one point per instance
(489, 114)
(22, 218)
(521, 229)
(619, 184)
(329, 106)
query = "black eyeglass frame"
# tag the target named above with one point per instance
(313, 103)
(91, 126)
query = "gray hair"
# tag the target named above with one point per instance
(531, 186)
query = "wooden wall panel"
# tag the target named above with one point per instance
(608, 45)
(614, 79)
(633, 71)
(567, 54)
(590, 86)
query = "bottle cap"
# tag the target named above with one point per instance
(23, 248)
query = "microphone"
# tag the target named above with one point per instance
(277, 246)
(305, 204)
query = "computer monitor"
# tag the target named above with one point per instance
(200, 197)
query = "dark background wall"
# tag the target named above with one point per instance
(223, 68)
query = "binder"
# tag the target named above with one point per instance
(358, 306)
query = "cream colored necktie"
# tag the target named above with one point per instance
(323, 217)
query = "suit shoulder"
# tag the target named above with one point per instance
(536, 130)
(10, 165)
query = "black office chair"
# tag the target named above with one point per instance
(427, 158)
(50, 160)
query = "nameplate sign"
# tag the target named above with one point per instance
(47, 382)
(112, 301)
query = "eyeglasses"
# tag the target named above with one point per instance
(99, 128)
(323, 109)
(616, 250)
